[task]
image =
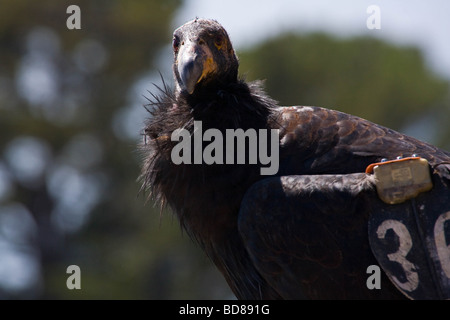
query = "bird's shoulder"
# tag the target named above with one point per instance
(320, 140)
(315, 123)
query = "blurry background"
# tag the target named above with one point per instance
(71, 112)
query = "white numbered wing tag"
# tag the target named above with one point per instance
(411, 238)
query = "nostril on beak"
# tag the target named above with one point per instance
(190, 71)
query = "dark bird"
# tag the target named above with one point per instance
(313, 228)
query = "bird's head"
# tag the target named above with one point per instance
(203, 56)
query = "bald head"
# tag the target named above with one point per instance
(203, 56)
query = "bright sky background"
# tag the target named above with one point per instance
(422, 23)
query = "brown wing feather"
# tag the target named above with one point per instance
(307, 236)
(315, 140)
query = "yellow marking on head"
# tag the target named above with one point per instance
(209, 66)
(218, 45)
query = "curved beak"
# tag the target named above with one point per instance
(193, 63)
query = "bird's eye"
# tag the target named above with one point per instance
(175, 43)
(218, 42)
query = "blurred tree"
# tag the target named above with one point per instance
(68, 167)
(366, 77)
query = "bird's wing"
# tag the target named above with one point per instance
(315, 236)
(411, 240)
(316, 140)
(308, 235)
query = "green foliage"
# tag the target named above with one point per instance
(363, 76)
(68, 190)
(123, 247)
